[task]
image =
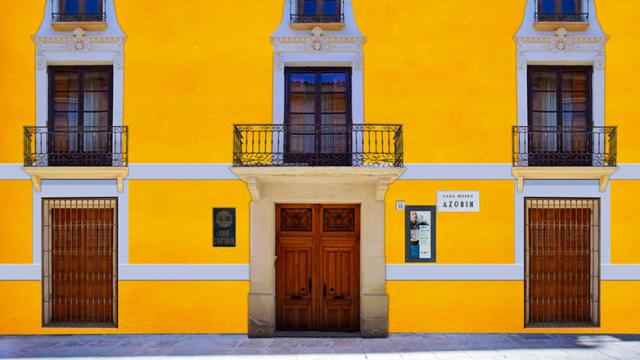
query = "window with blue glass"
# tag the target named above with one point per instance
(80, 10)
(561, 10)
(312, 11)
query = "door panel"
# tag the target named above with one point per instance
(294, 280)
(560, 252)
(317, 271)
(82, 266)
(339, 271)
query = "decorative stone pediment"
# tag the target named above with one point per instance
(53, 46)
(590, 43)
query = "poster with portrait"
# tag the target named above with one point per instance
(420, 234)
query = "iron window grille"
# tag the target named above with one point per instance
(79, 267)
(558, 15)
(562, 262)
(80, 13)
(76, 146)
(356, 145)
(565, 146)
(316, 11)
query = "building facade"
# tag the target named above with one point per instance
(319, 165)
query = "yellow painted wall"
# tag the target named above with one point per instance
(172, 221)
(625, 238)
(461, 238)
(17, 78)
(192, 71)
(623, 57)
(145, 307)
(495, 306)
(15, 222)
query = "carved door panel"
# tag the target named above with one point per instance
(339, 275)
(317, 267)
(295, 281)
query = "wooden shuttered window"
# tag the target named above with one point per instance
(562, 262)
(79, 262)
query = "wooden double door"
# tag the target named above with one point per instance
(318, 267)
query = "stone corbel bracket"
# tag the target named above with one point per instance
(380, 178)
(602, 174)
(37, 174)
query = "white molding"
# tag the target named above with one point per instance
(561, 47)
(20, 272)
(79, 47)
(78, 189)
(180, 172)
(563, 189)
(457, 172)
(318, 48)
(455, 272)
(223, 171)
(183, 272)
(240, 272)
(13, 172)
(620, 272)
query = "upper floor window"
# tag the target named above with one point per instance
(79, 11)
(561, 11)
(317, 11)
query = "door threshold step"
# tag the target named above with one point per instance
(316, 334)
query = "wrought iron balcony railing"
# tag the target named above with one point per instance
(76, 146)
(314, 11)
(359, 145)
(562, 17)
(94, 15)
(564, 146)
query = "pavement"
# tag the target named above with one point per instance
(397, 346)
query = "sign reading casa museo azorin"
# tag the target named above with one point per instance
(458, 201)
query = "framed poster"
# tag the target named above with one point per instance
(420, 234)
(224, 227)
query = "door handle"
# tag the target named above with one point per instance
(310, 286)
(339, 297)
(295, 297)
(324, 290)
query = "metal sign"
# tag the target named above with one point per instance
(458, 201)
(224, 227)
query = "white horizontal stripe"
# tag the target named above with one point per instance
(180, 172)
(620, 272)
(455, 272)
(20, 272)
(457, 172)
(610, 272)
(184, 272)
(12, 172)
(627, 172)
(221, 171)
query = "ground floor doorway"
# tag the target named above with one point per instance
(562, 281)
(317, 267)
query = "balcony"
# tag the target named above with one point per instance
(554, 21)
(308, 14)
(89, 15)
(375, 146)
(327, 156)
(564, 153)
(76, 153)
